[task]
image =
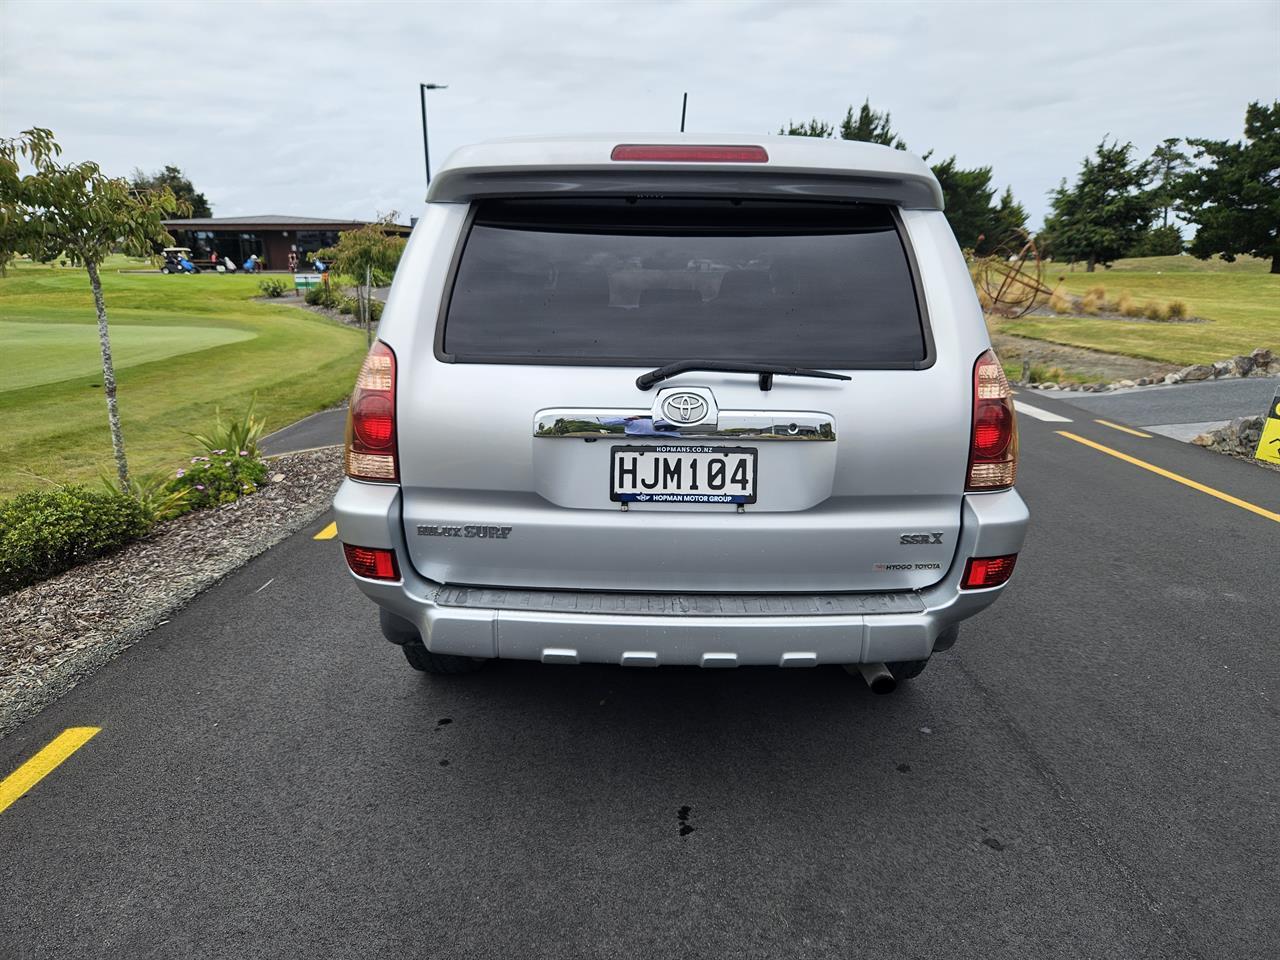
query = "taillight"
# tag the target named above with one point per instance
(982, 572)
(372, 563)
(371, 419)
(993, 448)
(689, 153)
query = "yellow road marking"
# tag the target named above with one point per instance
(328, 533)
(1177, 478)
(43, 763)
(1116, 426)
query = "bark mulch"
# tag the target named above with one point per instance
(55, 633)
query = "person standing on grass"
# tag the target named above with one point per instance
(293, 262)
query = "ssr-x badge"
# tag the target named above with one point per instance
(907, 539)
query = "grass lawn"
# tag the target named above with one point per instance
(183, 346)
(1240, 301)
(1176, 264)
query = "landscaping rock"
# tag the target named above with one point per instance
(1239, 438)
(1173, 378)
(1241, 366)
(1199, 371)
(1262, 357)
(1126, 384)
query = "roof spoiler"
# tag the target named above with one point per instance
(464, 184)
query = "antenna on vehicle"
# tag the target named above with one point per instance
(683, 107)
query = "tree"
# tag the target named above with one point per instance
(967, 195)
(75, 210)
(871, 126)
(368, 255)
(1158, 242)
(1167, 164)
(1010, 221)
(977, 223)
(174, 179)
(814, 128)
(1234, 199)
(1106, 212)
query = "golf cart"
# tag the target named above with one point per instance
(177, 260)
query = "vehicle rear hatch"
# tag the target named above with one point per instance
(512, 420)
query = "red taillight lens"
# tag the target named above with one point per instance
(371, 420)
(982, 572)
(689, 153)
(993, 449)
(372, 563)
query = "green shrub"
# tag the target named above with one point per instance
(273, 287)
(375, 310)
(234, 436)
(221, 477)
(47, 531)
(347, 307)
(323, 297)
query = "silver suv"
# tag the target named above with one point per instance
(665, 400)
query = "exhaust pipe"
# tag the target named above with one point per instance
(878, 677)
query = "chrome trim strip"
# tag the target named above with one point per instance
(568, 423)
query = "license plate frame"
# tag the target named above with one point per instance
(683, 449)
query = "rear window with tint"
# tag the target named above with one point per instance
(649, 281)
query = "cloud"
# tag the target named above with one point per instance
(313, 108)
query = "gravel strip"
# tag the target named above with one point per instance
(55, 633)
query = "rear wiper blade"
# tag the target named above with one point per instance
(767, 371)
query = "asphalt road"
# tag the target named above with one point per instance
(318, 430)
(1090, 772)
(1183, 410)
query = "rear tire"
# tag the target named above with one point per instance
(420, 658)
(907, 669)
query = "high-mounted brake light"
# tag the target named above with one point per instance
(371, 419)
(689, 153)
(372, 563)
(993, 447)
(981, 572)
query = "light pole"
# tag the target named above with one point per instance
(426, 155)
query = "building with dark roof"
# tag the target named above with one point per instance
(271, 237)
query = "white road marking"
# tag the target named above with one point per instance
(1039, 414)
(265, 585)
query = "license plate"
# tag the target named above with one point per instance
(669, 473)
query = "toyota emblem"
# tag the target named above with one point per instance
(684, 408)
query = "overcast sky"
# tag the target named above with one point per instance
(311, 108)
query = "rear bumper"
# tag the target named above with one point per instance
(783, 631)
